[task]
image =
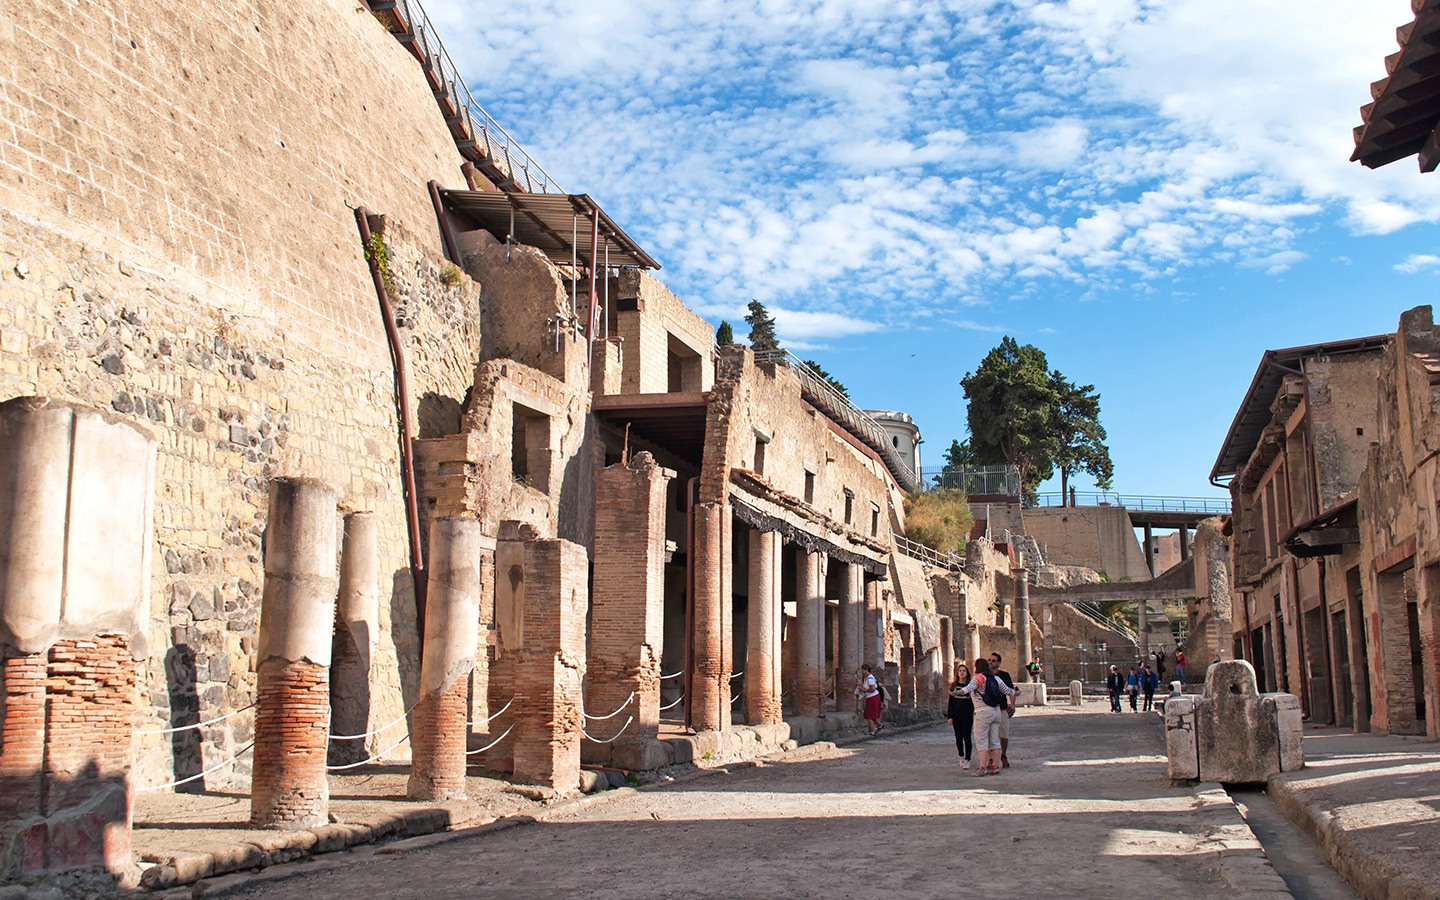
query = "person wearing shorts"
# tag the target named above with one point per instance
(1009, 709)
(987, 716)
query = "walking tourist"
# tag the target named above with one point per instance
(870, 689)
(1160, 664)
(1148, 682)
(1036, 670)
(1180, 667)
(1007, 711)
(1132, 687)
(1114, 683)
(960, 713)
(988, 714)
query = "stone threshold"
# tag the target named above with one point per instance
(233, 868)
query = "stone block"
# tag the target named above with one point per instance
(1030, 693)
(1077, 693)
(1288, 723)
(643, 755)
(1180, 744)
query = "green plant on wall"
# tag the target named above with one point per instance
(450, 275)
(378, 255)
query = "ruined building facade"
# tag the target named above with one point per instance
(317, 464)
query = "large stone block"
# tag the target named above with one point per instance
(1030, 693)
(1240, 736)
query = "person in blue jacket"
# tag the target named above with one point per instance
(1132, 687)
(1149, 681)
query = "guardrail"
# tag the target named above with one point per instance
(993, 480)
(478, 136)
(952, 561)
(1135, 502)
(844, 413)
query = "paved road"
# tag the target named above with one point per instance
(1084, 812)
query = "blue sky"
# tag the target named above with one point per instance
(1151, 191)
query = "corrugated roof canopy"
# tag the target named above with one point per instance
(1405, 118)
(555, 224)
(1254, 413)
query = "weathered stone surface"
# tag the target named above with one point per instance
(1238, 733)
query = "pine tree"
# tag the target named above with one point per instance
(762, 328)
(724, 335)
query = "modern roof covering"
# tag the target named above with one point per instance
(557, 225)
(1405, 118)
(1254, 413)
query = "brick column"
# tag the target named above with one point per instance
(810, 633)
(289, 789)
(762, 661)
(707, 666)
(852, 620)
(357, 630)
(78, 491)
(452, 620)
(627, 609)
(550, 664)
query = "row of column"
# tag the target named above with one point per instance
(861, 630)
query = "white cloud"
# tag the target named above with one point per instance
(1418, 262)
(1275, 263)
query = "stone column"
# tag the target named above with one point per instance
(627, 609)
(874, 639)
(77, 488)
(439, 727)
(550, 666)
(727, 621)
(1142, 628)
(762, 663)
(1022, 622)
(357, 631)
(708, 689)
(1048, 623)
(972, 644)
(852, 619)
(289, 789)
(810, 632)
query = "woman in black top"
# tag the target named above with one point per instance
(961, 714)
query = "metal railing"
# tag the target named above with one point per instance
(951, 560)
(477, 133)
(994, 480)
(1091, 612)
(1136, 502)
(844, 413)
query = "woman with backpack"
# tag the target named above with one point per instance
(874, 700)
(992, 692)
(961, 714)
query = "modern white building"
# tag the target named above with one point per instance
(904, 435)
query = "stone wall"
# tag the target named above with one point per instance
(188, 257)
(653, 323)
(1098, 537)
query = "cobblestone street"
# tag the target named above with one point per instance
(1085, 811)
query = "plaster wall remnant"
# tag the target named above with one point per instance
(77, 490)
(357, 635)
(290, 789)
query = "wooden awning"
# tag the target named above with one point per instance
(1404, 119)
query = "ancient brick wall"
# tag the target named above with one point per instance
(649, 318)
(188, 256)
(1098, 537)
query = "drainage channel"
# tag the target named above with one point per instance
(1291, 851)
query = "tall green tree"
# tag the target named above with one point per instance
(1079, 437)
(724, 335)
(1011, 403)
(960, 455)
(830, 379)
(762, 328)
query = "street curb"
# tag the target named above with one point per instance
(1243, 863)
(1372, 876)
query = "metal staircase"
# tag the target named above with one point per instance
(480, 139)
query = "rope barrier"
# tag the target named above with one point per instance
(215, 768)
(356, 737)
(493, 716)
(502, 737)
(735, 699)
(738, 674)
(368, 760)
(610, 739)
(196, 725)
(672, 675)
(674, 704)
(612, 715)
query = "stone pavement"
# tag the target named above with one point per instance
(1086, 811)
(1372, 803)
